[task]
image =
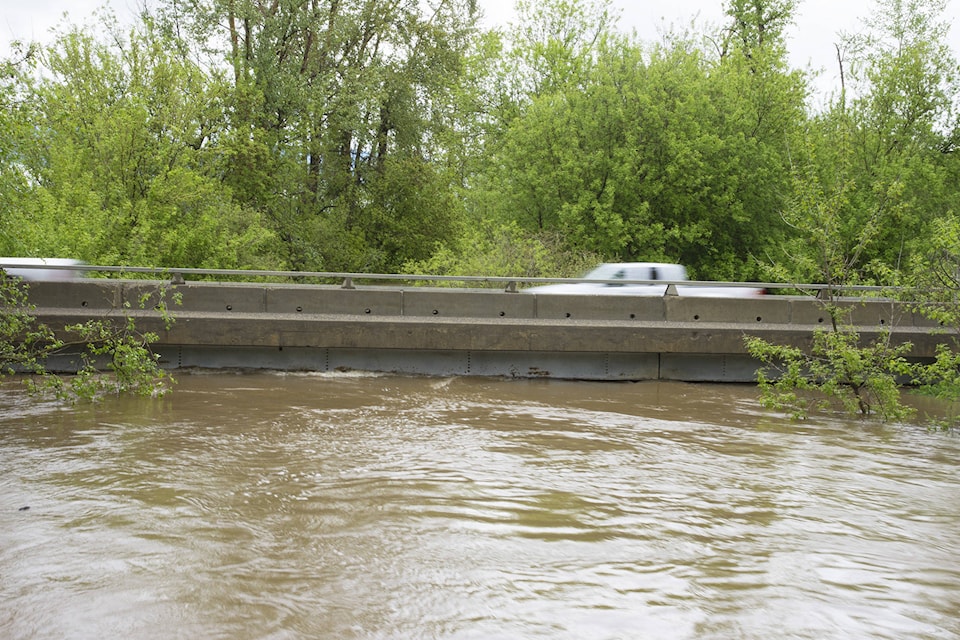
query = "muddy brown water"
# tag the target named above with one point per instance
(374, 506)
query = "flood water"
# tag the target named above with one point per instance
(368, 506)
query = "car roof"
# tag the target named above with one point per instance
(640, 264)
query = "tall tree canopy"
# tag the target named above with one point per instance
(664, 152)
(363, 135)
(882, 157)
(338, 106)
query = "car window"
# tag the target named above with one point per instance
(621, 274)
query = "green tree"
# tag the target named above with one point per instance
(863, 376)
(18, 236)
(332, 103)
(114, 157)
(896, 116)
(757, 26)
(664, 153)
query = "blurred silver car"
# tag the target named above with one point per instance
(32, 269)
(642, 279)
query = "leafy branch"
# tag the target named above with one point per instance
(114, 356)
(837, 370)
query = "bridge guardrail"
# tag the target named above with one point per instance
(350, 280)
(264, 324)
(90, 295)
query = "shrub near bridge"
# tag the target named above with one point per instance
(115, 358)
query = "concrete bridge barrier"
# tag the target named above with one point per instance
(465, 331)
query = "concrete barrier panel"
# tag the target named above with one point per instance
(147, 294)
(861, 313)
(219, 297)
(82, 294)
(599, 307)
(557, 336)
(456, 303)
(742, 310)
(875, 313)
(301, 299)
(808, 311)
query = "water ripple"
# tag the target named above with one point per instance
(295, 506)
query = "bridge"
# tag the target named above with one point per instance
(421, 325)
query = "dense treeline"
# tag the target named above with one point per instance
(361, 135)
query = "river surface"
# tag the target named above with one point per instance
(346, 506)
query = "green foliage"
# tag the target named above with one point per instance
(935, 274)
(412, 211)
(492, 249)
(757, 26)
(111, 345)
(122, 350)
(935, 293)
(361, 136)
(365, 136)
(941, 378)
(343, 122)
(877, 152)
(837, 370)
(115, 159)
(24, 343)
(662, 153)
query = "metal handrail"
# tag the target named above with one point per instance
(348, 278)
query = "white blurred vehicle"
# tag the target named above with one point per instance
(640, 279)
(33, 270)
